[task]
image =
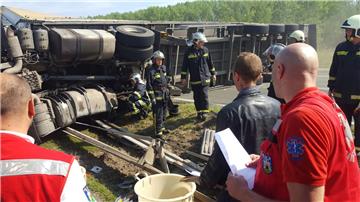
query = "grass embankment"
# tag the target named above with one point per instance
(186, 134)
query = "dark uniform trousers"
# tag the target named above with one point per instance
(159, 112)
(201, 98)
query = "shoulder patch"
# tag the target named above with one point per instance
(295, 147)
(88, 195)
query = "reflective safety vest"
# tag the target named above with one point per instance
(31, 173)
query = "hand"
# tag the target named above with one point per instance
(213, 77)
(212, 81)
(236, 186)
(183, 82)
(254, 161)
(331, 93)
(153, 102)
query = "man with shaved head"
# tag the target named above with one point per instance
(310, 155)
(29, 172)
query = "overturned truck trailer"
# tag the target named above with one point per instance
(79, 67)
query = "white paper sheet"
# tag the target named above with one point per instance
(235, 155)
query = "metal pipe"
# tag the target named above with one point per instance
(232, 39)
(176, 63)
(36, 99)
(254, 44)
(15, 51)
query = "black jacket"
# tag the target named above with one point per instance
(139, 93)
(199, 64)
(250, 117)
(157, 82)
(344, 76)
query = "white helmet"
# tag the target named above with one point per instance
(273, 51)
(298, 35)
(353, 22)
(158, 54)
(198, 36)
(136, 77)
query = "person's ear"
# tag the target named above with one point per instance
(31, 108)
(281, 70)
(235, 77)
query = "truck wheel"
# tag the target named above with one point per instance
(253, 29)
(134, 54)
(291, 27)
(134, 36)
(276, 29)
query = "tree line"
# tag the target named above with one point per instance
(328, 15)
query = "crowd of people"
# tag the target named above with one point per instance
(300, 138)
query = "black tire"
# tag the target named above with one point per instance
(289, 28)
(256, 29)
(134, 36)
(134, 54)
(276, 29)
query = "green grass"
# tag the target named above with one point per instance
(104, 185)
(100, 190)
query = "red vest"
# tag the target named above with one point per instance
(30, 172)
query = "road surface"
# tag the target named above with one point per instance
(225, 94)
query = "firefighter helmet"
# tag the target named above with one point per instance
(273, 51)
(298, 35)
(158, 54)
(353, 23)
(198, 36)
(136, 77)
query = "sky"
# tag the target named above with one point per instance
(84, 8)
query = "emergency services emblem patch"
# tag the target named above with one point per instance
(295, 147)
(266, 163)
(88, 195)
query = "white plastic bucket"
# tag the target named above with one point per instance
(164, 187)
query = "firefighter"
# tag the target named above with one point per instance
(270, 54)
(344, 83)
(139, 99)
(157, 86)
(197, 61)
(296, 36)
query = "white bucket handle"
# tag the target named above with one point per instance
(140, 174)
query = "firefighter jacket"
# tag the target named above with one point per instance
(344, 77)
(199, 64)
(139, 93)
(157, 83)
(250, 117)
